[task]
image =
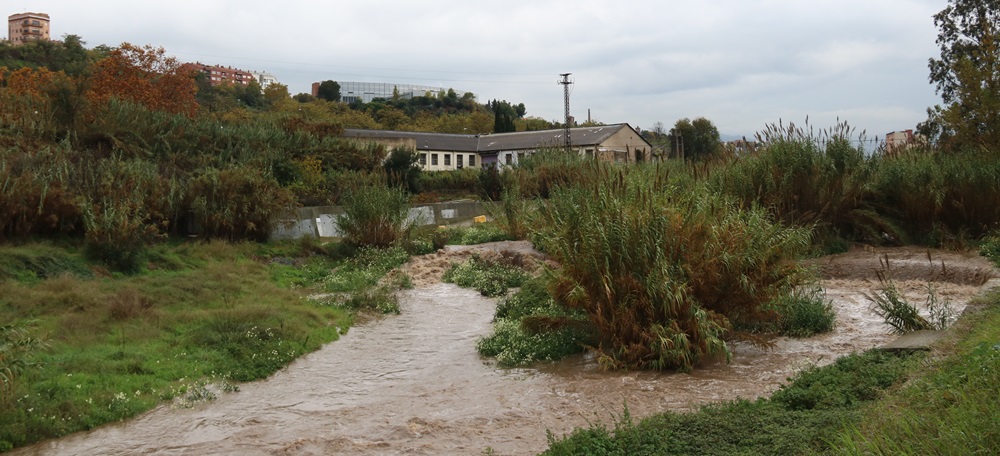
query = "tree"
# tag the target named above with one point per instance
(277, 94)
(698, 139)
(329, 91)
(144, 75)
(967, 76)
(402, 170)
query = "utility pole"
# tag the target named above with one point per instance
(565, 82)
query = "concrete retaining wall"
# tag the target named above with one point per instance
(321, 221)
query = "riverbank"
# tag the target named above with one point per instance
(198, 320)
(413, 383)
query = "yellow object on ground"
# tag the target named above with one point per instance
(479, 219)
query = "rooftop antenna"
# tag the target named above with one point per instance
(565, 82)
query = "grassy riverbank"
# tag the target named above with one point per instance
(870, 403)
(197, 318)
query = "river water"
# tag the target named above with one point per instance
(414, 383)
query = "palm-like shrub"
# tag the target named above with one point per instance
(663, 274)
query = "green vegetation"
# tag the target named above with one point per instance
(358, 282)
(804, 312)
(902, 315)
(801, 418)
(490, 275)
(375, 216)
(661, 273)
(84, 347)
(869, 403)
(529, 326)
(990, 248)
(949, 405)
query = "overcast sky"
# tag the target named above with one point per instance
(740, 63)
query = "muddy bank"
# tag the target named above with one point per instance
(414, 384)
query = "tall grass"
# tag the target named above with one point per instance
(375, 215)
(809, 179)
(944, 199)
(663, 274)
(903, 316)
(18, 349)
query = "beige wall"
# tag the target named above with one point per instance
(624, 146)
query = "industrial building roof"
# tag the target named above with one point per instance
(497, 142)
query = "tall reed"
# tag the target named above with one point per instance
(809, 179)
(375, 215)
(663, 274)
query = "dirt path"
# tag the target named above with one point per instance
(414, 384)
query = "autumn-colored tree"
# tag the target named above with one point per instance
(27, 81)
(144, 75)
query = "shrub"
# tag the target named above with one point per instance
(489, 276)
(381, 299)
(990, 248)
(375, 216)
(805, 312)
(512, 214)
(848, 382)
(401, 169)
(126, 205)
(490, 185)
(236, 203)
(940, 197)
(364, 269)
(476, 234)
(663, 273)
(530, 326)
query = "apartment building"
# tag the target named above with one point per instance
(25, 27)
(221, 75)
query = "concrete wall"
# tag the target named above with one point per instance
(321, 221)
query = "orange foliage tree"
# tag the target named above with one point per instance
(27, 81)
(146, 76)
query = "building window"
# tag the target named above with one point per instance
(434, 159)
(447, 159)
(423, 159)
(458, 160)
(472, 160)
(509, 158)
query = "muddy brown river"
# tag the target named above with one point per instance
(414, 383)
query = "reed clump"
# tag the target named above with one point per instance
(663, 275)
(375, 215)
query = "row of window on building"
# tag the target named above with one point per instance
(460, 159)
